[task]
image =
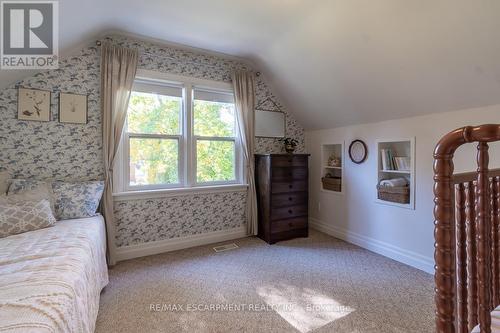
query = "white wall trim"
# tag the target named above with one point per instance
(175, 192)
(410, 258)
(173, 244)
(146, 74)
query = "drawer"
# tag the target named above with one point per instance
(290, 199)
(285, 187)
(288, 161)
(289, 173)
(290, 224)
(288, 212)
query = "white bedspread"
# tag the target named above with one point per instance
(51, 279)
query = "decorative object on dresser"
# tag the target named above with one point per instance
(282, 196)
(290, 144)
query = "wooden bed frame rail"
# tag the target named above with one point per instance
(467, 247)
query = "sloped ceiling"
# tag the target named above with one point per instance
(334, 62)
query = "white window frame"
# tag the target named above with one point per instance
(127, 136)
(187, 142)
(195, 138)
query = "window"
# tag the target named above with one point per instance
(153, 135)
(180, 134)
(214, 135)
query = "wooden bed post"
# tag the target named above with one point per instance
(444, 231)
(480, 233)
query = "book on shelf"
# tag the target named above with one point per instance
(402, 163)
(387, 162)
(391, 162)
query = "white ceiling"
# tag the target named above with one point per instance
(334, 62)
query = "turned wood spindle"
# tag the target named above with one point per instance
(470, 225)
(495, 239)
(483, 238)
(460, 218)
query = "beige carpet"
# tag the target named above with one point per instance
(318, 284)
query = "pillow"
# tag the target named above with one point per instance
(76, 200)
(23, 216)
(31, 190)
(4, 182)
(20, 185)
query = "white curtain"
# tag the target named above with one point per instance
(244, 92)
(118, 69)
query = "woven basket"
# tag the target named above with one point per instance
(332, 184)
(394, 194)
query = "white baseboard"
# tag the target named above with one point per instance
(413, 259)
(173, 244)
(410, 258)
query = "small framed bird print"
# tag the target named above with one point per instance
(72, 108)
(33, 104)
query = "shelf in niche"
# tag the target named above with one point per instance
(399, 148)
(396, 171)
(337, 150)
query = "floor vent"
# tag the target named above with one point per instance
(226, 247)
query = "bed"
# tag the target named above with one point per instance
(51, 279)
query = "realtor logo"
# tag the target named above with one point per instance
(29, 34)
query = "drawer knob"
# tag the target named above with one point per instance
(290, 186)
(290, 174)
(290, 211)
(290, 199)
(289, 161)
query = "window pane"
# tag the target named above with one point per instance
(152, 113)
(154, 161)
(214, 114)
(215, 161)
(205, 94)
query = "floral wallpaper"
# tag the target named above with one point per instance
(51, 150)
(210, 67)
(186, 215)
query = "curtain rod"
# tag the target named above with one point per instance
(98, 43)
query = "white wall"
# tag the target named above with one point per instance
(403, 234)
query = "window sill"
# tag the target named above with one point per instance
(174, 192)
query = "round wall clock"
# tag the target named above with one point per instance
(358, 151)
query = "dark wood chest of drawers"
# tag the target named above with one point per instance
(282, 196)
